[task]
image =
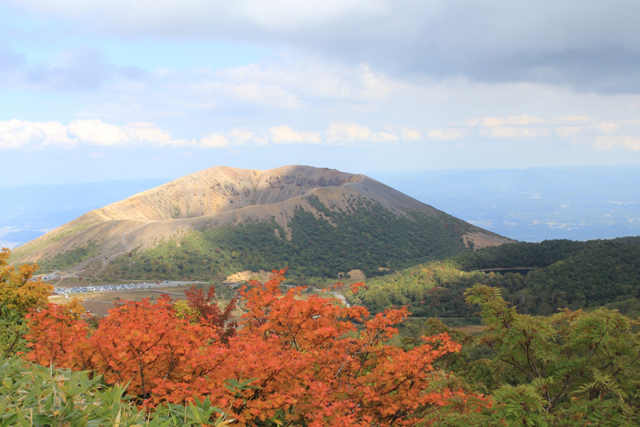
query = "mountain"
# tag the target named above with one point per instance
(319, 222)
(35, 210)
(578, 203)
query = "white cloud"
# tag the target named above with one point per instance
(96, 132)
(247, 137)
(447, 134)
(575, 118)
(214, 141)
(24, 134)
(340, 132)
(285, 135)
(233, 138)
(608, 142)
(524, 119)
(241, 135)
(607, 127)
(568, 131)
(528, 126)
(292, 82)
(573, 127)
(19, 133)
(253, 92)
(148, 133)
(8, 229)
(490, 121)
(410, 135)
(16, 134)
(515, 132)
(384, 137)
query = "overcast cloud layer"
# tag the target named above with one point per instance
(588, 45)
(261, 83)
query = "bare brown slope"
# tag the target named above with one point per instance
(223, 189)
(202, 194)
(214, 197)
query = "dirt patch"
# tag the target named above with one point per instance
(245, 276)
(480, 240)
(356, 275)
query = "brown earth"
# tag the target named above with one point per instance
(245, 276)
(483, 240)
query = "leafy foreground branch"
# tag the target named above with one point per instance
(19, 293)
(574, 368)
(33, 395)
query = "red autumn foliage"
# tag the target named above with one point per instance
(59, 336)
(311, 360)
(207, 310)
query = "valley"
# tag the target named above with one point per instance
(99, 299)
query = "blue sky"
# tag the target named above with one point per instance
(94, 90)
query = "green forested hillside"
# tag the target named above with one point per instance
(369, 238)
(519, 255)
(570, 274)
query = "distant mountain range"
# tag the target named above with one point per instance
(319, 222)
(579, 203)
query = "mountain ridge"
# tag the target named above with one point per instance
(224, 197)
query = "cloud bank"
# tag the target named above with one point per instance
(16, 134)
(591, 46)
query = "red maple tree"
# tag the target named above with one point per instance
(309, 360)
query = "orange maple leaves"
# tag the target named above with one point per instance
(18, 289)
(310, 360)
